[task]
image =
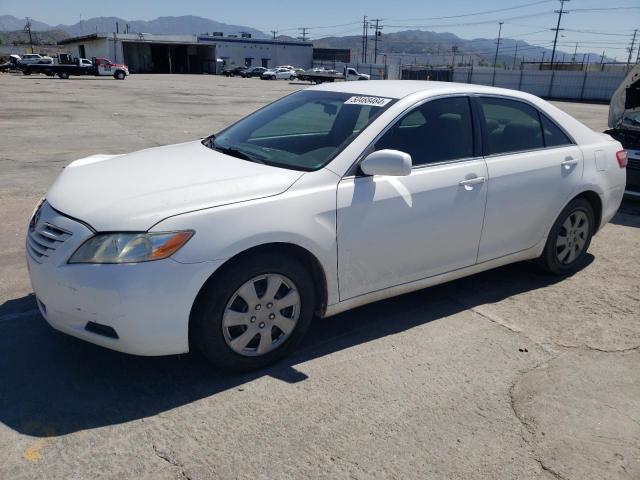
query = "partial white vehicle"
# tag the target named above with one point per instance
(624, 126)
(279, 74)
(329, 198)
(35, 59)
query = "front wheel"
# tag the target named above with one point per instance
(253, 314)
(119, 75)
(569, 239)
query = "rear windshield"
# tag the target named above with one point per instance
(303, 131)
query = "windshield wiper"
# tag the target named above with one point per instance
(234, 152)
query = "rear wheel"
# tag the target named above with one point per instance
(569, 239)
(253, 314)
(63, 75)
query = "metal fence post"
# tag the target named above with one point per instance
(520, 81)
(553, 74)
(584, 82)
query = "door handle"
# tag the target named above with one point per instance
(469, 183)
(569, 162)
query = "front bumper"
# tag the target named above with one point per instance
(147, 304)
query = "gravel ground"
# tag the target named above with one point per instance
(504, 375)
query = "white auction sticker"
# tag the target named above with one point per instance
(373, 101)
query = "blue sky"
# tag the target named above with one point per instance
(598, 29)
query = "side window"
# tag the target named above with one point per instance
(553, 136)
(436, 131)
(511, 126)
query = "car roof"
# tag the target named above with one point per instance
(402, 88)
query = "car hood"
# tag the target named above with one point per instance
(626, 101)
(134, 192)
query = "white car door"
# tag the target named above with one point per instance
(534, 168)
(394, 230)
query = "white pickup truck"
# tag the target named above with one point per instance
(320, 76)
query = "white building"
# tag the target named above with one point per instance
(188, 53)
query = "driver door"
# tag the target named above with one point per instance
(395, 230)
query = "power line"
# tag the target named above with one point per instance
(472, 14)
(303, 34)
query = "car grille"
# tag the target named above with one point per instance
(44, 239)
(633, 164)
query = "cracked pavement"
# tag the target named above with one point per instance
(508, 374)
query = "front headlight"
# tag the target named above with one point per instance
(130, 247)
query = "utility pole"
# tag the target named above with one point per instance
(376, 33)
(633, 43)
(303, 35)
(365, 26)
(495, 59)
(542, 61)
(557, 29)
(515, 55)
(575, 53)
(274, 33)
(454, 50)
(27, 28)
(602, 57)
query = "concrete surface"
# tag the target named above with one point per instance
(505, 375)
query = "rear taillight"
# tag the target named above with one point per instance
(621, 156)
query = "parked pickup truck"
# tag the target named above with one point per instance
(624, 126)
(321, 76)
(82, 66)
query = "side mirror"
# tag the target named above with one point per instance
(387, 162)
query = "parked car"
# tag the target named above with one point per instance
(35, 59)
(329, 198)
(624, 126)
(233, 72)
(11, 64)
(253, 72)
(279, 74)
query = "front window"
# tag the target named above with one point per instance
(303, 131)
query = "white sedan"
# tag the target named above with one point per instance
(325, 200)
(279, 74)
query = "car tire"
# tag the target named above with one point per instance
(291, 78)
(569, 239)
(210, 332)
(63, 75)
(119, 75)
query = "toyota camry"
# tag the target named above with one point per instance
(327, 199)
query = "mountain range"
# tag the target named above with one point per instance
(184, 25)
(408, 46)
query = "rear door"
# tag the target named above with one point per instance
(534, 167)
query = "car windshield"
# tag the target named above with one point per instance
(303, 131)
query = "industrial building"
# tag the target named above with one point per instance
(147, 53)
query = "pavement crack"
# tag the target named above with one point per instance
(170, 460)
(549, 470)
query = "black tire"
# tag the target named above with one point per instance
(549, 262)
(291, 78)
(119, 75)
(63, 75)
(27, 72)
(206, 327)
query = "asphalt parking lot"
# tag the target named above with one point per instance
(507, 374)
